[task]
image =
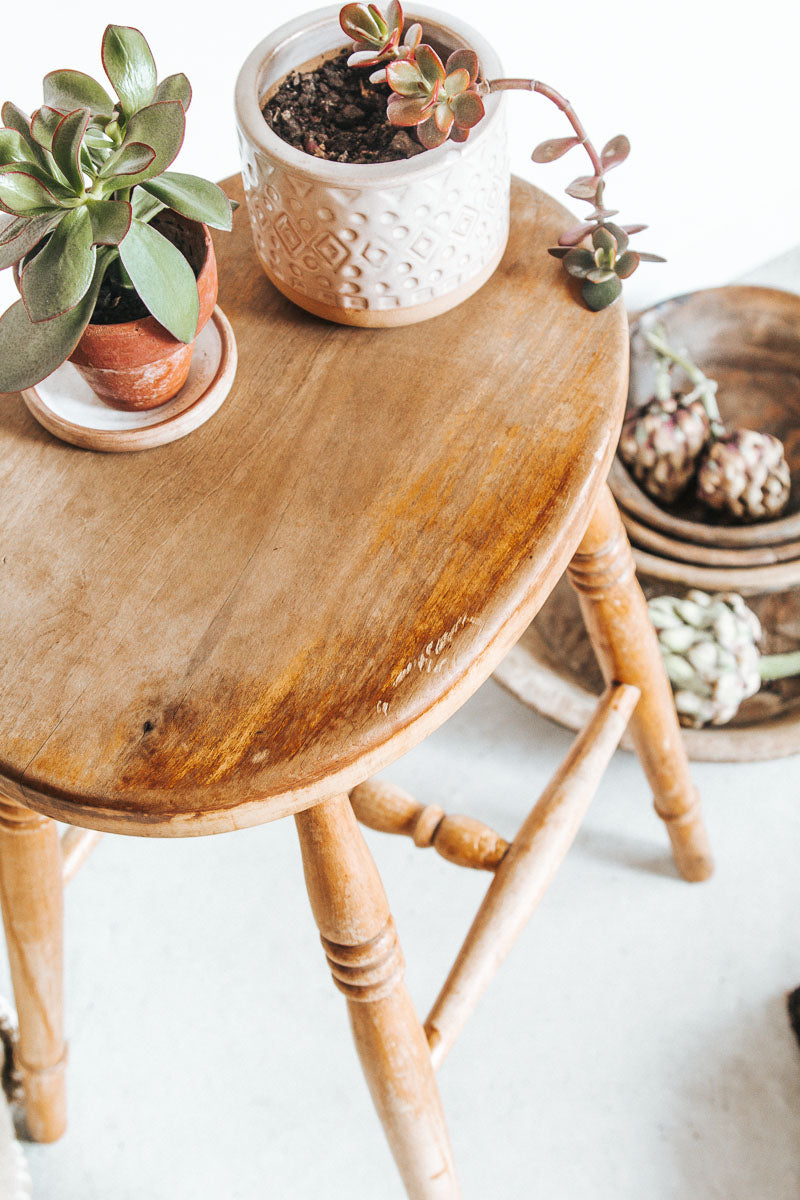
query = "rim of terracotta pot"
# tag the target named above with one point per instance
(97, 340)
(251, 86)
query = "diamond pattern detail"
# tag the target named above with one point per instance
(381, 248)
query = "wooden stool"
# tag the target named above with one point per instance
(249, 623)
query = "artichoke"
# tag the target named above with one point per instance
(745, 473)
(709, 645)
(661, 443)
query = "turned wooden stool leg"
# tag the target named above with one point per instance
(624, 641)
(360, 941)
(31, 894)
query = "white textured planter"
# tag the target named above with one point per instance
(383, 243)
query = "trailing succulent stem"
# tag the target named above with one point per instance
(445, 100)
(80, 182)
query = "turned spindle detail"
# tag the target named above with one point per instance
(615, 613)
(461, 840)
(369, 971)
(31, 895)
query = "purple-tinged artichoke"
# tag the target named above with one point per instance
(746, 474)
(662, 441)
(709, 645)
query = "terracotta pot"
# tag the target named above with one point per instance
(380, 243)
(139, 364)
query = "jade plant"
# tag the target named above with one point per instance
(80, 183)
(444, 100)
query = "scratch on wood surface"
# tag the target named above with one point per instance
(428, 659)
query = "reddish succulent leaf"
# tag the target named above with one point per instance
(553, 148)
(407, 110)
(430, 135)
(576, 234)
(600, 275)
(627, 263)
(463, 59)
(413, 35)
(457, 134)
(632, 229)
(615, 152)
(645, 257)
(603, 239)
(467, 109)
(584, 187)
(619, 235)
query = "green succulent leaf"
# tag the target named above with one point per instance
(44, 123)
(144, 205)
(603, 240)
(599, 295)
(68, 90)
(647, 257)
(20, 237)
(430, 65)
(22, 193)
(466, 60)
(443, 116)
(131, 159)
(128, 63)
(14, 148)
(160, 126)
(67, 143)
(456, 81)
(192, 197)
(60, 274)
(579, 263)
(175, 87)
(163, 279)
(619, 235)
(405, 78)
(558, 251)
(600, 275)
(29, 351)
(111, 220)
(14, 118)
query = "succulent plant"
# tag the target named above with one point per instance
(376, 36)
(445, 100)
(709, 645)
(439, 99)
(661, 442)
(744, 472)
(602, 268)
(80, 183)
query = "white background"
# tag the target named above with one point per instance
(707, 92)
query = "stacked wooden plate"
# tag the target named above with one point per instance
(748, 339)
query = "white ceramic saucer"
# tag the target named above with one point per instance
(67, 407)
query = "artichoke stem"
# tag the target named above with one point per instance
(779, 666)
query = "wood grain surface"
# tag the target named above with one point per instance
(221, 631)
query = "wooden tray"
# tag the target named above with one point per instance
(748, 339)
(552, 669)
(68, 408)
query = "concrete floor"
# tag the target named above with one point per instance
(634, 1045)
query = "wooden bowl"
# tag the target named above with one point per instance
(748, 339)
(747, 581)
(552, 669)
(666, 546)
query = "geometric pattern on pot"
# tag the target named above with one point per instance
(386, 247)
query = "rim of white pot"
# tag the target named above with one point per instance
(251, 86)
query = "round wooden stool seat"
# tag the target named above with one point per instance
(224, 630)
